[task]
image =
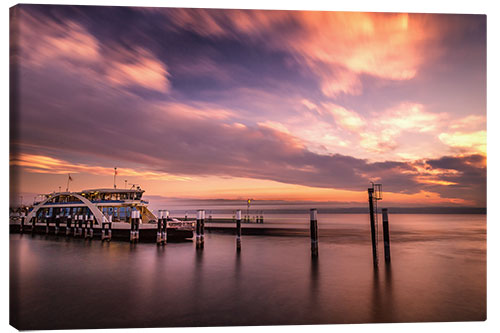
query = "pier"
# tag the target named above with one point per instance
(77, 215)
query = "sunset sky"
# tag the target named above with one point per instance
(202, 105)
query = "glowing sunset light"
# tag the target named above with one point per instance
(228, 104)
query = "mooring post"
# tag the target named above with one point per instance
(199, 229)
(68, 224)
(78, 226)
(58, 220)
(86, 226)
(33, 225)
(22, 221)
(202, 228)
(92, 220)
(159, 227)
(314, 232)
(387, 241)
(165, 225)
(134, 227)
(47, 219)
(372, 226)
(108, 220)
(238, 230)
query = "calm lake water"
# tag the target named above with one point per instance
(437, 273)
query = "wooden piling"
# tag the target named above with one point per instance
(314, 231)
(387, 242)
(238, 230)
(373, 227)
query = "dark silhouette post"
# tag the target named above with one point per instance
(47, 220)
(373, 226)
(165, 224)
(159, 238)
(58, 222)
(314, 232)
(33, 225)
(387, 242)
(23, 215)
(198, 229)
(238, 230)
(68, 224)
(134, 227)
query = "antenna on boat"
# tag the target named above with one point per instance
(114, 179)
(69, 180)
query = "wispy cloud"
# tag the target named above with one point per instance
(47, 164)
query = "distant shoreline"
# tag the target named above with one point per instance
(354, 210)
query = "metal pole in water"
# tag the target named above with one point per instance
(58, 220)
(202, 229)
(92, 219)
(238, 230)
(33, 226)
(159, 227)
(110, 228)
(86, 232)
(387, 241)
(165, 224)
(134, 228)
(22, 221)
(372, 226)
(47, 219)
(80, 225)
(314, 232)
(198, 229)
(68, 224)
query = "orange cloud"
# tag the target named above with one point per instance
(145, 70)
(337, 46)
(46, 164)
(465, 142)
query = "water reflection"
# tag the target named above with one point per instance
(273, 280)
(382, 297)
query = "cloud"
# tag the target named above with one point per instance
(338, 47)
(68, 44)
(80, 107)
(465, 141)
(47, 164)
(346, 119)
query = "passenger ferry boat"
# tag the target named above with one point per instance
(106, 205)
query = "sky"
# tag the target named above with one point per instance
(210, 106)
